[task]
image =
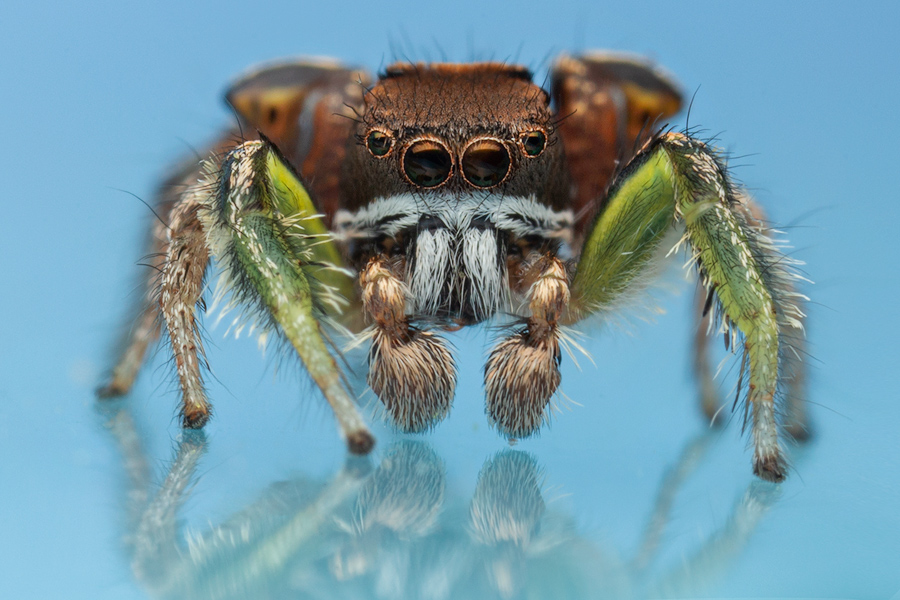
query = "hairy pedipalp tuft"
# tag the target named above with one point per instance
(415, 379)
(520, 378)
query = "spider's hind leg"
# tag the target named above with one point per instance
(147, 320)
(144, 330)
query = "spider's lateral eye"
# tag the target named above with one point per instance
(379, 143)
(427, 163)
(485, 163)
(533, 142)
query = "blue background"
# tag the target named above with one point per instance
(100, 97)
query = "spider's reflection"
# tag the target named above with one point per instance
(394, 531)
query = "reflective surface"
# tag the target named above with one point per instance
(391, 528)
(627, 494)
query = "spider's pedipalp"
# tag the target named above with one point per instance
(522, 371)
(411, 371)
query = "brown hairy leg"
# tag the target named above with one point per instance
(181, 287)
(145, 328)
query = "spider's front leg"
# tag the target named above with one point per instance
(792, 370)
(278, 257)
(678, 180)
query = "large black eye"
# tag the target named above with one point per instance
(533, 142)
(485, 163)
(379, 143)
(427, 163)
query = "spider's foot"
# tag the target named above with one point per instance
(120, 380)
(194, 417)
(769, 468)
(414, 378)
(360, 442)
(520, 378)
(113, 389)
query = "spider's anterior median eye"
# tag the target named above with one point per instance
(427, 163)
(533, 142)
(485, 163)
(379, 143)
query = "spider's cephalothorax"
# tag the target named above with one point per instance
(457, 175)
(455, 188)
(444, 195)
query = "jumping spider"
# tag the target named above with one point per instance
(443, 195)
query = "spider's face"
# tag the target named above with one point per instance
(447, 165)
(449, 130)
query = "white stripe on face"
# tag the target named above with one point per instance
(458, 262)
(435, 254)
